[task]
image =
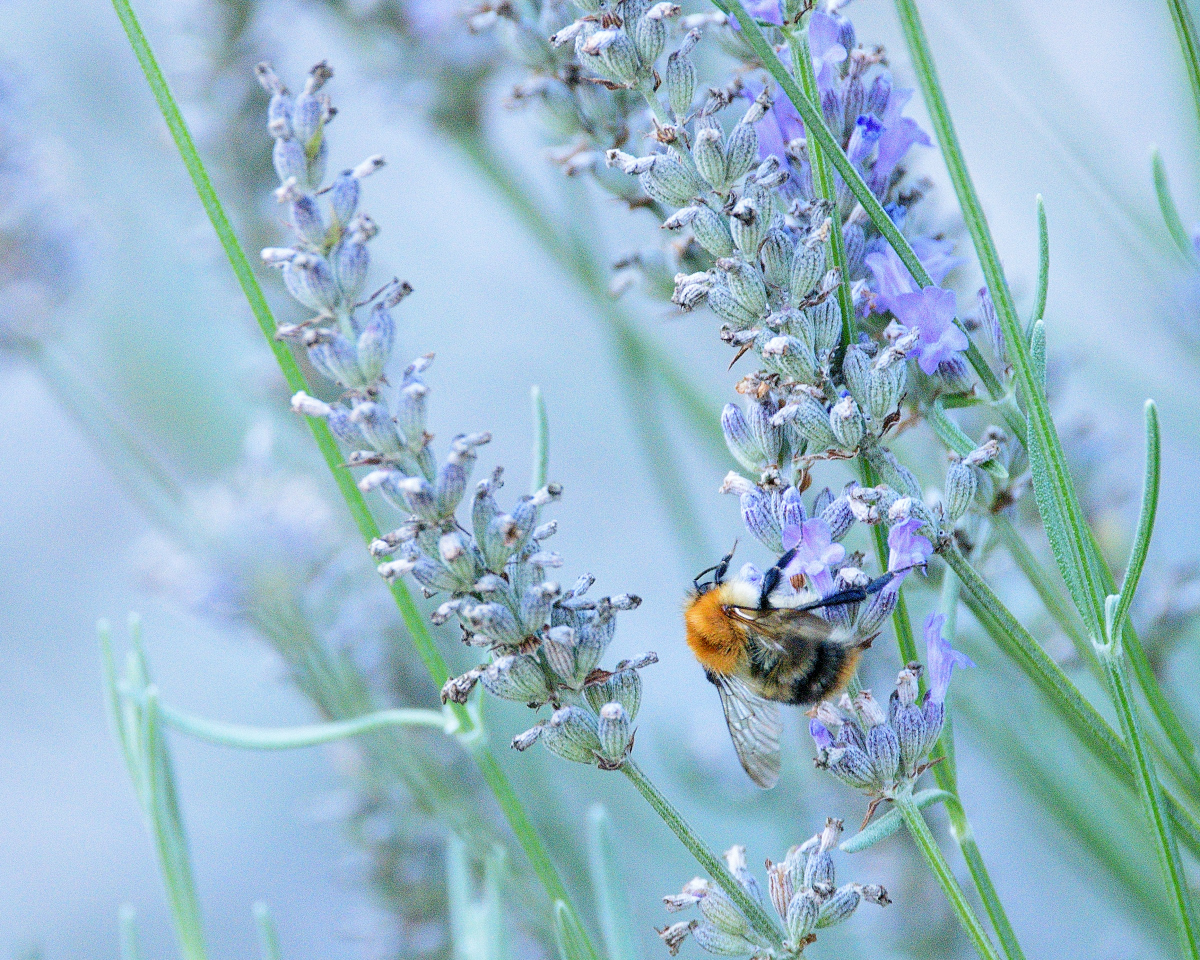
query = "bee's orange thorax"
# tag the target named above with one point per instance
(715, 638)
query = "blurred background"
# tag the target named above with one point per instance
(122, 330)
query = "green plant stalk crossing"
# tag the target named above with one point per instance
(522, 828)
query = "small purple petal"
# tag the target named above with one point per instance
(823, 738)
(906, 549)
(895, 141)
(931, 311)
(767, 10)
(815, 553)
(941, 657)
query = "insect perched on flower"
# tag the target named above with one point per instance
(762, 645)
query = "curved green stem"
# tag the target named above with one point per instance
(923, 837)
(291, 738)
(422, 639)
(759, 919)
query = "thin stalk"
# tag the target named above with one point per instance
(946, 775)
(823, 179)
(1043, 282)
(919, 830)
(268, 936)
(759, 919)
(541, 440)
(814, 123)
(291, 738)
(1185, 30)
(519, 821)
(901, 623)
(1150, 792)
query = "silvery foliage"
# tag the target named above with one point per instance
(802, 888)
(545, 642)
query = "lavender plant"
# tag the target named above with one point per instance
(834, 384)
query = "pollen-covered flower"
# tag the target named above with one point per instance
(802, 888)
(816, 553)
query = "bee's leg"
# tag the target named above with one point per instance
(717, 570)
(771, 578)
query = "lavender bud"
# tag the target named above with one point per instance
(290, 161)
(669, 182)
(535, 606)
(650, 36)
(623, 687)
(741, 152)
(856, 371)
(775, 256)
(712, 232)
(719, 910)
(714, 940)
(307, 219)
(681, 80)
(879, 94)
(523, 741)
(885, 389)
(847, 424)
(494, 621)
(375, 344)
(710, 158)
(876, 610)
(343, 196)
(376, 426)
(613, 729)
(826, 318)
(808, 266)
(812, 420)
(911, 732)
(961, 485)
(839, 907)
(745, 284)
(851, 765)
(790, 357)
(748, 227)
(779, 888)
(572, 735)
(802, 914)
(516, 677)
(411, 415)
(725, 305)
(337, 359)
(619, 59)
(761, 520)
(350, 262)
(309, 279)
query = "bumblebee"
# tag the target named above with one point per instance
(761, 649)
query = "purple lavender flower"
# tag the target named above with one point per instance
(900, 134)
(892, 277)
(825, 45)
(906, 549)
(931, 311)
(821, 735)
(940, 657)
(815, 553)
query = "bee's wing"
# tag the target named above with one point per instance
(754, 725)
(785, 625)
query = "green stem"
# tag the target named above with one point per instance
(291, 738)
(759, 919)
(823, 180)
(1170, 212)
(541, 440)
(919, 830)
(1151, 795)
(363, 518)
(268, 936)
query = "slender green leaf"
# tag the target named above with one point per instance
(541, 440)
(887, 824)
(604, 867)
(568, 933)
(1152, 798)
(1145, 527)
(127, 920)
(1185, 30)
(1043, 281)
(1170, 212)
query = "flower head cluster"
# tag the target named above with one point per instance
(546, 642)
(880, 752)
(803, 890)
